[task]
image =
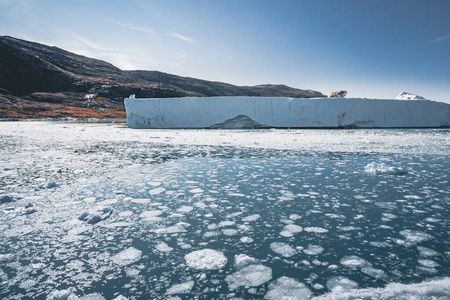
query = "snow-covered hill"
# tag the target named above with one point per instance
(210, 112)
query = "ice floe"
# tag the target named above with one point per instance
(163, 247)
(313, 250)
(283, 249)
(182, 288)
(375, 168)
(316, 229)
(127, 256)
(287, 288)
(243, 260)
(250, 276)
(206, 259)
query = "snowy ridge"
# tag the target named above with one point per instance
(285, 113)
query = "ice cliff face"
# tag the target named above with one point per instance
(257, 112)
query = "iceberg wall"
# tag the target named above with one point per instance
(281, 112)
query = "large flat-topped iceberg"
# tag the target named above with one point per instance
(280, 112)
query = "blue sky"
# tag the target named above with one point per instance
(371, 48)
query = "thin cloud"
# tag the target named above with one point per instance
(131, 26)
(441, 39)
(184, 38)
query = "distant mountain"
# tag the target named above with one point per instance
(41, 81)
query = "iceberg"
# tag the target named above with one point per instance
(283, 112)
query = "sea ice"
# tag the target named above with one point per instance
(424, 251)
(163, 247)
(48, 185)
(61, 295)
(313, 250)
(182, 288)
(95, 216)
(206, 259)
(354, 262)
(287, 288)
(292, 228)
(316, 229)
(283, 249)
(341, 284)
(382, 169)
(251, 218)
(413, 237)
(250, 276)
(243, 260)
(156, 191)
(127, 256)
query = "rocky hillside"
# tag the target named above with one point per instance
(41, 81)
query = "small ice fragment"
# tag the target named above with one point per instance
(354, 262)
(414, 237)
(375, 273)
(206, 259)
(288, 288)
(424, 251)
(313, 250)
(382, 169)
(428, 263)
(293, 228)
(251, 218)
(182, 288)
(156, 191)
(163, 247)
(283, 249)
(246, 239)
(196, 191)
(316, 229)
(230, 232)
(127, 256)
(250, 276)
(243, 260)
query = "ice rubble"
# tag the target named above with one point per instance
(251, 112)
(127, 256)
(206, 259)
(250, 276)
(8, 198)
(95, 216)
(287, 288)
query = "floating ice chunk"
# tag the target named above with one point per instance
(61, 295)
(292, 228)
(206, 259)
(428, 263)
(283, 249)
(95, 216)
(177, 228)
(156, 191)
(185, 209)
(127, 256)
(424, 251)
(246, 239)
(354, 262)
(230, 232)
(196, 191)
(286, 233)
(313, 250)
(250, 276)
(6, 257)
(226, 223)
(341, 284)
(287, 288)
(120, 297)
(163, 247)
(243, 260)
(182, 288)
(437, 289)
(413, 237)
(251, 218)
(316, 229)
(48, 185)
(295, 217)
(8, 198)
(375, 273)
(382, 169)
(150, 214)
